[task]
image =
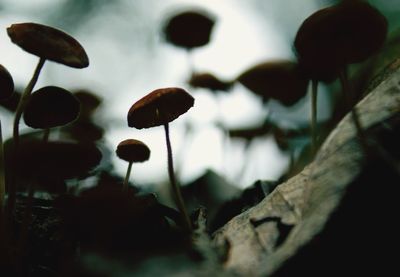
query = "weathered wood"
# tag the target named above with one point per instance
(307, 200)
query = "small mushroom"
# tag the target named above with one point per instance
(189, 29)
(132, 150)
(334, 37)
(209, 81)
(48, 44)
(6, 83)
(6, 90)
(54, 160)
(160, 107)
(278, 80)
(51, 107)
(89, 103)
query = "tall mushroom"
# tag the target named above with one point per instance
(158, 108)
(132, 150)
(189, 29)
(6, 90)
(51, 107)
(334, 37)
(48, 44)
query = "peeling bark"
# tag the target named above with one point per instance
(307, 200)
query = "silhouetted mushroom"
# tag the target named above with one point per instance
(189, 29)
(48, 44)
(280, 80)
(89, 102)
(132, 150)
(51, 107)
(6, 90)
(6, 83)
(334, 37)
(57, 160)
(160, 107)
(209, 81)
(84, 127)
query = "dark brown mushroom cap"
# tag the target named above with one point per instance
(209, 81)
(50, 107)
(159, 107)
(189, 29)
(55, 159)
(280, 80)
(333, 37)
(132, 150)
(89, 102)
(6, 83)
(48, 43)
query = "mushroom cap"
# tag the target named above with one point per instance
(48, 43)
(132, 150)
(159, 107)
(333, 37)
(50, 107)
(280, 80)
(6, 83)
(209, 81)
(89, 102)
(59, 160)
(189, 29)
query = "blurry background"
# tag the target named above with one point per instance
(129, 58)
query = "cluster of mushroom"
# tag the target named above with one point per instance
(49, 106)
(158, 108)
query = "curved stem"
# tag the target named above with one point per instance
(24, 101)
(128, 173)
(314, 91)
(356, 119)
(18, 114)
(175, 187)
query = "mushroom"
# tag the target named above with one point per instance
(54, 160)
(48, 44)
(6, 90)
(209, 81)
(6, 83)
(132, 150)
(189, 29)
(51, 107)
(280, 80)
(160, 107)
(332, 38)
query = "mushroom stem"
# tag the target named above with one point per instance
(46, 134)
(128, 173)
(18, 113)
(24, 101)
(175, 187)
(2, 174)
(190, 61)
(314, 91)
(356, 119)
